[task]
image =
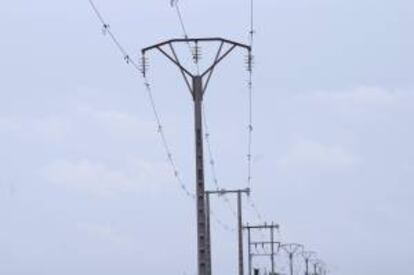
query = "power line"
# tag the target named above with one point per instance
(174, 4)
(250, 128)
(160, 130)
(106, 29)
(252, 30)
(194, 51)
(212, 163)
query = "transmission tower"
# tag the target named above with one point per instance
(307, 256)
(271, 227)
(292, 249)
(197, 83)
(319, 267)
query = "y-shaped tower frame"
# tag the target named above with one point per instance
(292, 249)
(197, 84)
(308, 256)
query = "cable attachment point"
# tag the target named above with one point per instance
(105, 29)
(252, 33)
(127, 59)
(196, 51)
(143, 66)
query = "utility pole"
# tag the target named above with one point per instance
(307, 256)
(292, 249)
(315, 268)
(319, 267)
(272, 254)
(239, 194)
(197, 84)
(272, 243)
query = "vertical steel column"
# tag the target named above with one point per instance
(291, 263)
(307, 256)
(240, 220)
(200, 199)
(209, 265)
(249, 250)
(272, 244)
(307, 266)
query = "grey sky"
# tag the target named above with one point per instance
(85, 187)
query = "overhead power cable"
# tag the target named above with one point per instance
(106, 30)
(174, 4)
(194, 50)
(252, 30)
(160, 129)
(212, 162)
(250, 128)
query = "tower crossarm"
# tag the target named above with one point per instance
(226, 46)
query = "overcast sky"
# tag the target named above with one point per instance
(85, 186)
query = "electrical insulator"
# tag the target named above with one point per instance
(105, 29)
(143, 66)
(249, 62)
(196, 51)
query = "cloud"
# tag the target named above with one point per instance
(362, 95)
(117, 123)
(48, 127)
(98, 178)
(9, 125)
(81, 112)
(365, 95)
(353, 118)
(105, 232)
(304, 152)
